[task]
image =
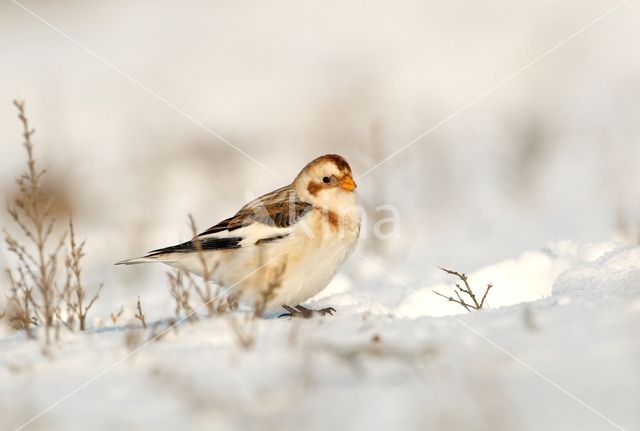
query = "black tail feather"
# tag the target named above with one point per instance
(205, 244)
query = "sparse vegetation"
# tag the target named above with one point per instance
(204, 291)
(183, 285)
(33, 295)
(37, 296)
(74, 294)
(245, 328)
(181, 294)
(465, 290)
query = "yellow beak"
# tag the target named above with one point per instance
(347, 183)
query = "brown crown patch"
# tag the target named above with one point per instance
(339, 161)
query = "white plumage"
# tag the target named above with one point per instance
(283, 247)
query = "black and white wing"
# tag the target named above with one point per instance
(267, 219)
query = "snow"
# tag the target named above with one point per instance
(558, 349)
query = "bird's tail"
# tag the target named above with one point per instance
(136, 260)
(144, 259)
(165, 255)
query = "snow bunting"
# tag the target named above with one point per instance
(282, 248)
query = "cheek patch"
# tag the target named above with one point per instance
(313, 188)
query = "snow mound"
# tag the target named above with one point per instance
(567, 361)
(530, 276)
(616, 272)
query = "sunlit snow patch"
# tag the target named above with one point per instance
(528, 277)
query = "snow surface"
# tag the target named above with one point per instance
(567, 359)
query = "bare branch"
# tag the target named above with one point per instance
(486, 292)
(449, 298)
(466, 290)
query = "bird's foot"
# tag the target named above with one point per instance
(294, 312)
(304, 312)
(326, 310)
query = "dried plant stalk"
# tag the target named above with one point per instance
(206, 294)
(181, 296)
(34, 294)
(245, 329)
(139, 314)
(182, 284)
(19, 305)
(465, 289)
(74, 293)
(116, 316)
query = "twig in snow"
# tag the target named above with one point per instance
(140, 315)
(116, 316)
(466, 290)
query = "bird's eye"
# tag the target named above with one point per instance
(326, 180)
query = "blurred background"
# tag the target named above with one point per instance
(551, 154)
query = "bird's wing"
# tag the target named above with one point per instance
(268, 209)
(266, 219)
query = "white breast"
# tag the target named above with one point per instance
(311, 255)
(303, 263)
(315, 264)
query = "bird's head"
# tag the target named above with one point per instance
(326, 182)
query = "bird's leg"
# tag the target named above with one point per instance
(327, 310)
(304, 312)
(308, 312)
(291, 312)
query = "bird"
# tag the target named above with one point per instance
(281, 248)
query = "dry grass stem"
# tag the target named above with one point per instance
(33, 282)
(181, 296)
(116, 316)
(139, 314)
(190, 293)
(465, 289)
(74, 293)
(208, 295)
(37, 297)
(245, 329)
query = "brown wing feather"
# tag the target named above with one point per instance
(280, 208)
